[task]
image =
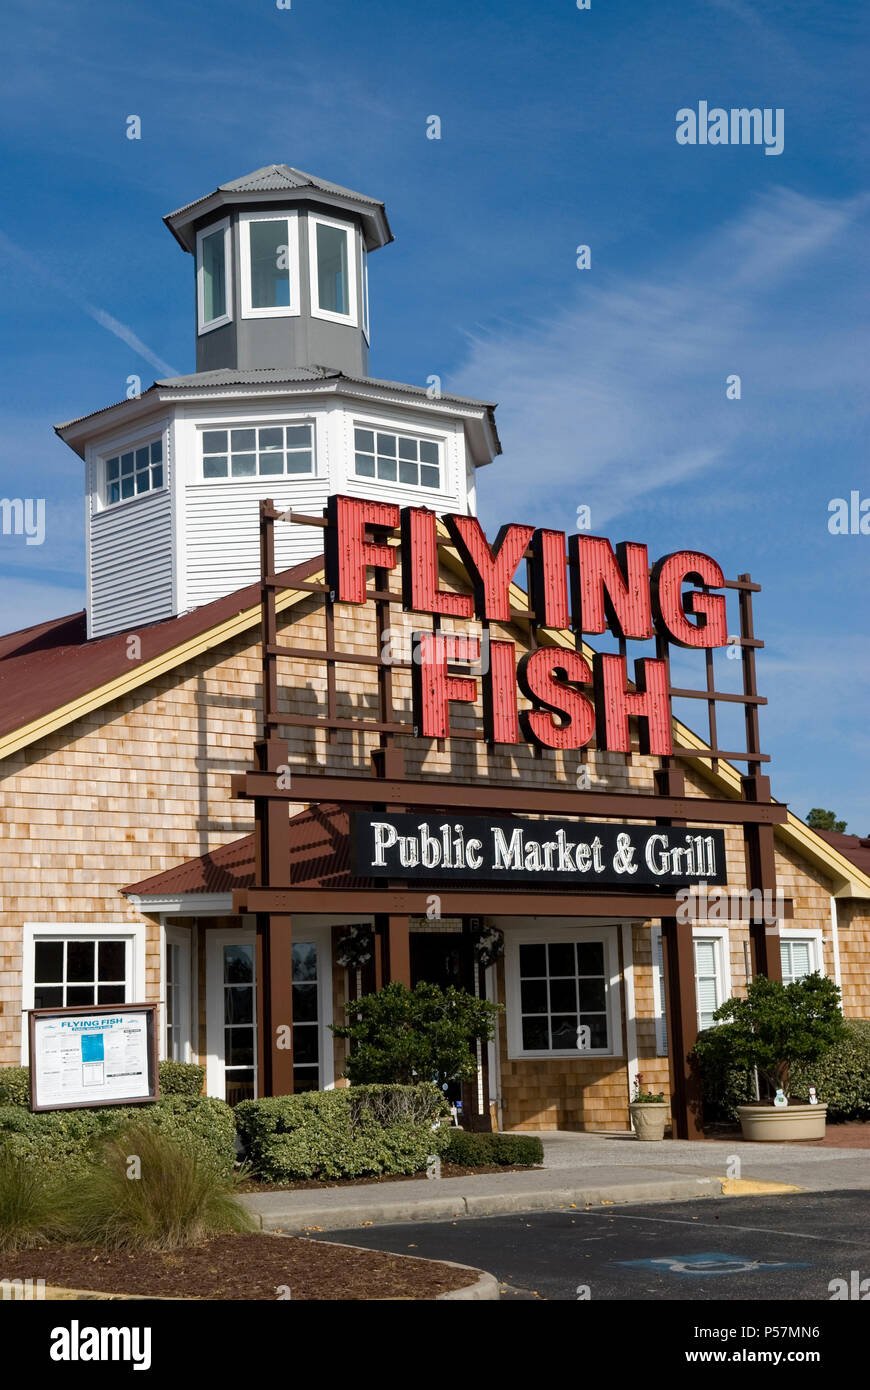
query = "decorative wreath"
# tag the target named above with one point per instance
(355, 948)
(488, 946)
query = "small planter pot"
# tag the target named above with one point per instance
(649, 1120)
(779, 1123)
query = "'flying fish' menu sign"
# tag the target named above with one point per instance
(594, 588)
(525, 851)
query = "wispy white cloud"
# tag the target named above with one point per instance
(11, 250)
(622, 393)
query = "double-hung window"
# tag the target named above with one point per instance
(332, 259)
(258, 451)
(270, 264)
(213, 286)
(396, 458)
(131, 472)
(800, 956)
(78, 972)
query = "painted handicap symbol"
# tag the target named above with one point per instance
(711, 1262)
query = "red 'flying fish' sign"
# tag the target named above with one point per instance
(598, 587)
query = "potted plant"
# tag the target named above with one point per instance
(773, 1029)
(648, 1112)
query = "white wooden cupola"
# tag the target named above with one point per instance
(281, 405)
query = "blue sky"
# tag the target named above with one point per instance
(558, 128)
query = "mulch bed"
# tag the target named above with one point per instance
(448, 1170)
(852, 1134)
(238, 1268)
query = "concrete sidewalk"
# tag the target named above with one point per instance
(579, 1170)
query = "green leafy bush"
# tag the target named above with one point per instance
(181, 1078)
(30, 1202)
(775, 1028)
(68, 1139)
(841, 1076)
(14, 1086)
(405, 1036)
(352, 1132)
(724, 1086)
(146, 1191)
(176, 1079)
(481, 1150)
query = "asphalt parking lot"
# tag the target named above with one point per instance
(744, 1248)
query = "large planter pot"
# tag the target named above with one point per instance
(649, 1120)
(769, 1123)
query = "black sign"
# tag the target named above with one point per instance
(502, 850)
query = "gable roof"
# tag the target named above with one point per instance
(52, 661)
(856, 848)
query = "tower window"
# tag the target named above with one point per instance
(133, 472)
(270, 265)
(332, 253)
(213, 276)
(258, 451)
(396, 458)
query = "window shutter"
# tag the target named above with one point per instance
(659, 996)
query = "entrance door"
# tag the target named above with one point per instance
(232, 1013)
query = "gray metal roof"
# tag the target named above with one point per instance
(278, 376)
(280, 178)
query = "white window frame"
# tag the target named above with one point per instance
(813, 937)
(130, 448)
(412, 432)
(543, 931)
(365, 295)
(227, 317)
(283, 311)
(133, 935)
(208, 426)
(660, 994)
(321, 935)
(719, 935)
(215, 1071)
(351, 319)
(181, 937)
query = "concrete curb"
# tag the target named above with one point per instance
(398, 1211)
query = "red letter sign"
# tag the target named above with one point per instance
(671, 605)
(490, 570)
(348, 553)
(550, 579)
(610, 588)
(500, 724)
(433, 688)
(420, 592)
(648, 702)
(537, 677)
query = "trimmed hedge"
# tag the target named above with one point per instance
(176, 1079)
(68, 1139)
(356, 1131)
(481, 1150)
(841, 1078)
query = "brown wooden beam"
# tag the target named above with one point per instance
(454, 902)
(681, 1011)
(275, 999)
(398, 943)
(305, 789)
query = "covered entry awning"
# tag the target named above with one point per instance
(322, 881)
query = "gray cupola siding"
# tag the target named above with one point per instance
(175, 475)
(292, 253)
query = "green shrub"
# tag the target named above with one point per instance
(404, 1036)
(471, 1150)
(29, 1202)
(842, 1076)
(176, 1079)
(68, 1139)
(146, 1191)
(181, 1078)
(724, 1086)
(776, 1028)
(352, 1132)
(15, 1086)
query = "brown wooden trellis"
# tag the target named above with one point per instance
(274, 899)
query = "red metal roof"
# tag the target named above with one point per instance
(319, 856)
(45, 667)
(855, 848)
